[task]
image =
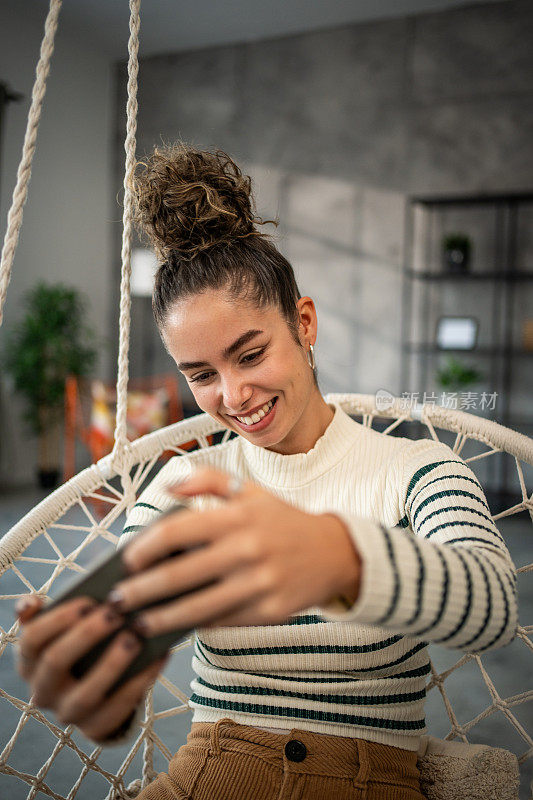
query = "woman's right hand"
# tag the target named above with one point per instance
(52, 642)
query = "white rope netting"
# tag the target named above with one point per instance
(86, 515)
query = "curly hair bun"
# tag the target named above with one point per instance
(189, 200)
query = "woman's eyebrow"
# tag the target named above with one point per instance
(238, 343)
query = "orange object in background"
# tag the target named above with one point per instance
(90, 409)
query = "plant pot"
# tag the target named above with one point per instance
(48, 468)
(48, 478)
(456, 260)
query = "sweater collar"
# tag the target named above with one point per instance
(276, 469)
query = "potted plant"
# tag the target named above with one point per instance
(50, 342)
(456, 376)
(456, 252)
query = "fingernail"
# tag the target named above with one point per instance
(113, 616)
(115, 599)
(131, 642)
(140, 626)
(22, 604)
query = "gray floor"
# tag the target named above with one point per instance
(509, 668)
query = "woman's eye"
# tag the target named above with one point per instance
(253, 356)
(203, 377)
(247, 359)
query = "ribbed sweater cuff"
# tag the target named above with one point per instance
(368, 607)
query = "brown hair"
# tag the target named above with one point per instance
(198, 212)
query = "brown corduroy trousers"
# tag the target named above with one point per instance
(228, 761)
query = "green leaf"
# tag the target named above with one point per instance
(50, 342)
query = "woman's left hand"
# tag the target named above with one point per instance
(268, 560)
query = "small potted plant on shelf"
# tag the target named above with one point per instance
(50, 342)
(456, 376)
(456, 252)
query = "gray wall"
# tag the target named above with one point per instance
(66, 231)
(337, 128)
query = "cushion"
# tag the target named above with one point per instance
(147, 412)
(458, 771)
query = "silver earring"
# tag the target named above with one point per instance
(311, 357)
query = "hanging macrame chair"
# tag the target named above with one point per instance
(61, 535)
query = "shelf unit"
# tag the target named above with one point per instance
(499, 279)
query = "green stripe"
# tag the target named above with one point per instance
(448, 508)
(410, 673)
(506, 620)
(444, 596)
(446, 478)
(450, 493)
(301, 649)
(306, 619)
(396, 590)
(468, 604)
(310, 714)
(131, 528)
(492, 547)
(425, 470)
(489, 602)
(147, 505)
(354, 699)
(202, 653)
(460, 508)
(453, 523)
(419, 583)
(299, 680)
(403, 523)
(405, 657)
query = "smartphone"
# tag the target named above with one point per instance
(105, 573)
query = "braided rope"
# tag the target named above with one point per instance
(122, 456)
(14, 217)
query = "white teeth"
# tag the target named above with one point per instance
(257, 415)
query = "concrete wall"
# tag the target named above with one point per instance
(66, 231)
(337, 128)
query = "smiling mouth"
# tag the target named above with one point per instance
(258, 415)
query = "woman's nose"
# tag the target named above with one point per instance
(235, 394)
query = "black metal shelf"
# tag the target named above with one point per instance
(428, 347)
(500, 271)
(494, 275)
(473, 199)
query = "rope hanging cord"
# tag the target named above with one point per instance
(14, 217)
(121, 450)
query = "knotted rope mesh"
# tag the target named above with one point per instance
(86, 515)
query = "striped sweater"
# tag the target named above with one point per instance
(434, 569)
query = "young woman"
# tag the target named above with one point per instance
(332, 554)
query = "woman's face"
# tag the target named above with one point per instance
(241, 361)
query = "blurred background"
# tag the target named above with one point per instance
(393, 139)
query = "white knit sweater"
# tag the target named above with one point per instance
(361, 672)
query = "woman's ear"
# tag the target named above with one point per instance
(308, 320)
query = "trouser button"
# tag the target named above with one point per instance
(295, 750)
